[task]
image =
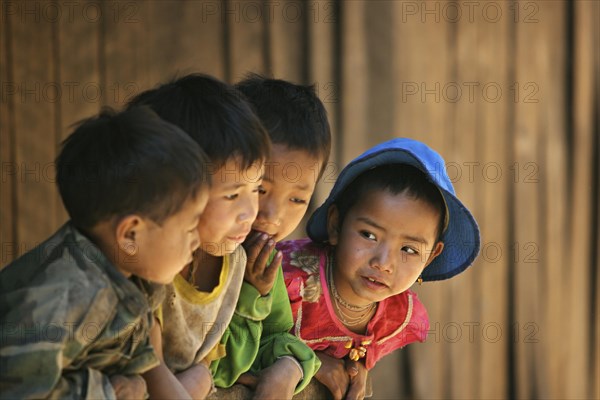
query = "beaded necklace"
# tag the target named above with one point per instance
(365, 311)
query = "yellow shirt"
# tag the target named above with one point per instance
(193, 321)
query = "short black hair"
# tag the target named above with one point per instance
(292, 114)
(116, 164)
(397, 179)
(214, 114)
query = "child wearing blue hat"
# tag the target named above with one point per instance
(391, 219)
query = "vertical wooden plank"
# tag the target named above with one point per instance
(380, 77)
(554, 183)
(124, 60)
(491, 269)
(387, 377)
(585, 87)
(367, 93)
(354, 90)
(530, 61)
(421, 58)
(78, 70)
(322, 51)
(8, 215)
(184, 37)
(593, 42)
(286, 38)
(34, 117)
(245, 25)
(461, 156)
(595, 364)
(367, 90)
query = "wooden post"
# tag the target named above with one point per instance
(491, 269)
(9, 238)
(34, 124)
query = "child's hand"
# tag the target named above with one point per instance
(358, 380)
(200, 379)
(333, 374)
(278, 381)
(258, 247)
(248, 379)
(128, 387)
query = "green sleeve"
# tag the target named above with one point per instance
(242, 337)
(277, 341)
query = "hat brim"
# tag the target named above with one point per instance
(461, 238)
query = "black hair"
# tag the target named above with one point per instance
(116, 164)
(292, 114)
(397, 179)
(214, 114)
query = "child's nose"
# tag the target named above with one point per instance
(248, 211)
(386, 259)
(269, 212)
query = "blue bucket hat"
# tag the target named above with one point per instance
(461, 235)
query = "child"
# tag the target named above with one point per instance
(201, 301)
(392, 218)
(258, 338)
(76, 310)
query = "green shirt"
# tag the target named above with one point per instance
(259, 334)
(69, 320)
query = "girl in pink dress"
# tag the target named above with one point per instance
(391, 219)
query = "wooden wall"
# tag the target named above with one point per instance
(507, 91)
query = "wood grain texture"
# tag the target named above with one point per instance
(583, 204)
(553, 182)
(245, 25)
(8, 194)
(78, 70)
(526, 164)
(491, 269)
(34, 124)
(125, 52)
(194, 43)
(462, 154)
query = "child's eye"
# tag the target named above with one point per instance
(368, 235)
(297, 200)
(409, 250)
(231, 196)
(258, 189)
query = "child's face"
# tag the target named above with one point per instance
(288, 184)
(383, 245)
(164, 250)
(231, 208)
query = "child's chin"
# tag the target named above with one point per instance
(226, 248)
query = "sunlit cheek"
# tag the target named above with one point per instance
(255, 205)
(207, 235)
(190, 245)
(415, 268)
(295, 215)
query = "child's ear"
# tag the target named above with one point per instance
(127, 232)
(437, 250)
(333, 225)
